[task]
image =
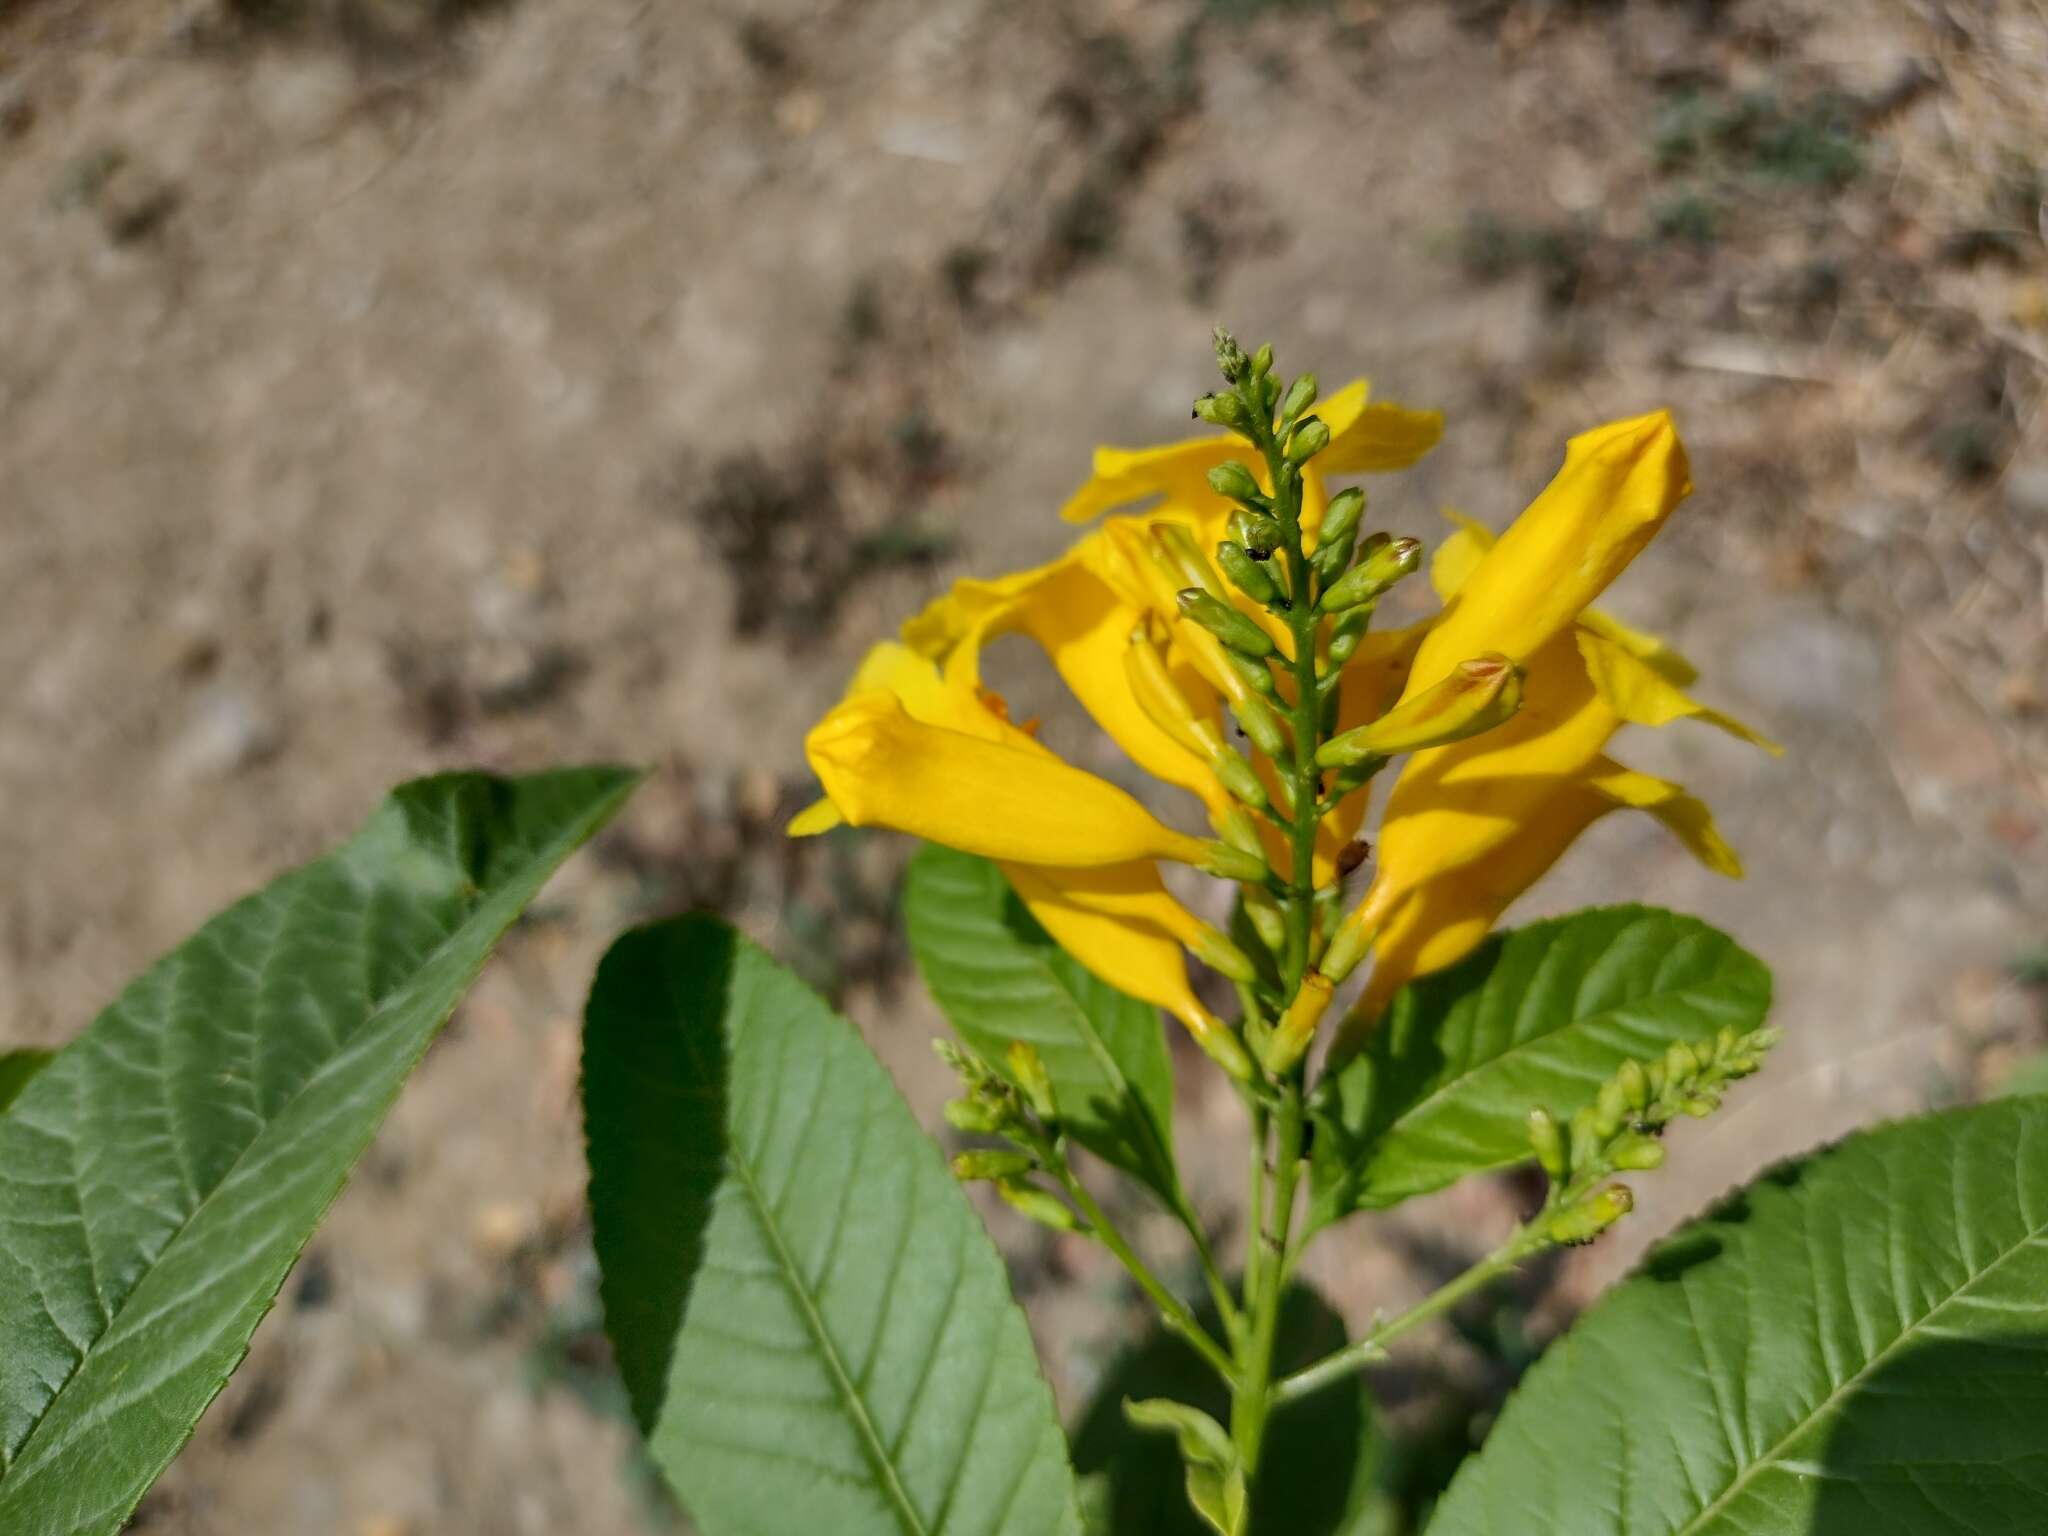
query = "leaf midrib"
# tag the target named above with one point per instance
(856, 1405)
(1827, 1404)
(392, 1002)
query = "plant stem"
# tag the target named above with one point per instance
(1252, 1401)
(1172, 1310)
(1363, 1352)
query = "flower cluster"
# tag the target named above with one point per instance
(1242, 594)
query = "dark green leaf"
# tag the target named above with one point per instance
(16, 1068)
(1542, 1015)
(1316, 1467)
(816, 1332)
(1856, 1344)
(999, 978)
(160, 1175)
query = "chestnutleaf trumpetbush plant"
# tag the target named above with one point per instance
(813, 1328)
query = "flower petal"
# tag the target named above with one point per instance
(1122, 925)
(883, 767)
(1370, 439)
(1641, 688)
(1178, 471)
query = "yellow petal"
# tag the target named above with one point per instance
(1617, 486)
(818, 816)
(1179, 471)
(882, 767)
(1458, 556)
(1122, 925)
(1370, 439)
(1640, 688)
(1684, 815)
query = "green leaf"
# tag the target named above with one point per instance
(158, 1178)
(1857, 1343)
(1319, 1458)
(815, 1330)
(1542, 1015)
(1000, 978)
(1215, 1472)
(16, 1068)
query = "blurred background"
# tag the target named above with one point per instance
(389, 385)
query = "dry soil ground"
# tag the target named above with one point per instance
(393, 384)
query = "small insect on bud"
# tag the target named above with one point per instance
(1252, 577)
(979, 1163)
(1637, 1154)
(1307, 440)
(1377, 571)
(1027, 1069)
(1223, 621)
(1354, 853)
(1222, 411)
(1586, 1219)
(1040, 1205)
(1234, 480)
(1262, 360)
(1478, 695)
(1301, 394)
(1230, 359)
(1547, 1142)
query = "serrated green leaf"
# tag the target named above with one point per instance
(1318, 1461)
(816, 1332)
(158, 1178)
(16, 1068)
(1856, 1343)
(1542, 1015)
(1000, 978)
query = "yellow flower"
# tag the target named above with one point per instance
(1471, 825)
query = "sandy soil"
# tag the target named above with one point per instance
(391, 384)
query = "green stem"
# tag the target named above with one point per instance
(1373, 1347)
(1252, 1402)
(1172, 1310)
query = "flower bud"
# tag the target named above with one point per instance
(1681, 1064)
(1637, 1154)
(1252, 578)
(1156, 693)
(1256, 674)
(1261, 724)
(1222, 411)
(1586, 1219)
(1040, 1205)
(1609, 1110)
(977, 1117)
(1346, 634)
(1340, 522)
(1228, 863)
(1260, 533)
(1583, 1138)
(1297, 1028)
(1027, 1070)
(1240, 778)
(1478, 695)
(1233, 628)
(1233, 480)
(1221, 1046)
(1176, 552)
(1265, 916)
(980, 1163)
(1262, 360)
(1373, 575)
(1548, 1143)
(1216, 951)
(1301, 394)
(1635, 1086)
(1230, 358)
(1307, 440)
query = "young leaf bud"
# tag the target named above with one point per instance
(1223, 621)
(1252, 578)
(1548, 1143)
(1478, 695)
(1373, 575)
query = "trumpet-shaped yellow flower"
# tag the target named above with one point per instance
(1471, 825)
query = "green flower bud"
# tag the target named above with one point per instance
(977, 1117)
(1308, 440)
(1637, 1154)
(1027, 1068)
(1228, 863)
(981, 1163)
(1347, 632)
(1216, 951)
(1478, 695)
(1373, 575)
(1585, 1138)
(1041, 1206)
(1223, 621)
(1240, 779)
(1340, 522)
(1548, 1143)
(1635, 1086)
(1301, 394)
(1586, 1219)
(1223, 411)
(1261, 724)
(1681, 1064)
(1262, 360)
(1234, 480)
(1256, 673)
(1266, 918)
(1610, 1110)
(1252, 578)
(1230, 358)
